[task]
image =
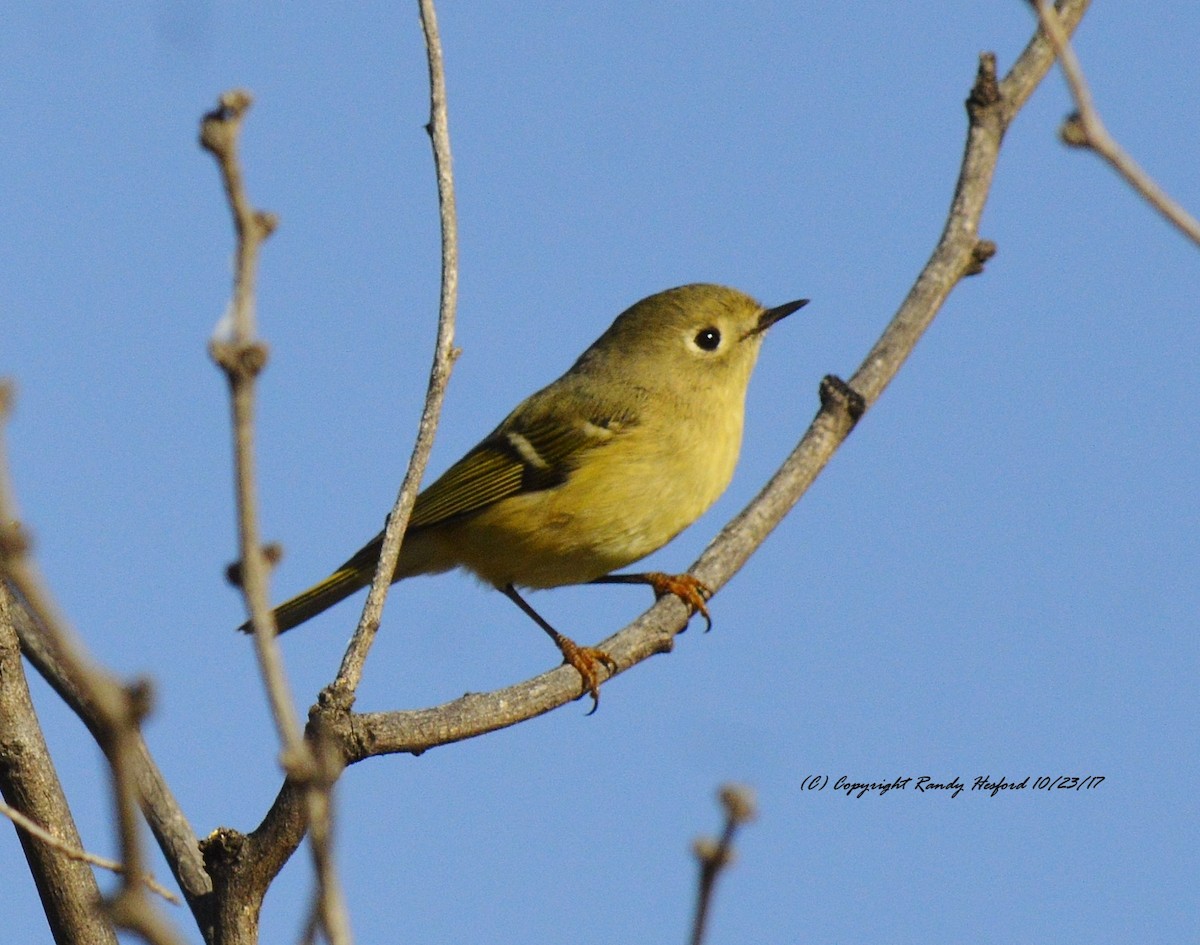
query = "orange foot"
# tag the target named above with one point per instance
(692, 591)
(587, 660)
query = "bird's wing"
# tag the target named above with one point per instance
(536, 448)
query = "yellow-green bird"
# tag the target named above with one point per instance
(599, 469)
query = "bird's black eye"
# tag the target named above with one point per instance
(708, 339)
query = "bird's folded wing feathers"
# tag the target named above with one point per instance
(527, 454)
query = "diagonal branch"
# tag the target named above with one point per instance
(120, 709)
(1085, 129)
(166, 819)
(29, 782)
(991, 107)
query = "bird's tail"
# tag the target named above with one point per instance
(354, 574)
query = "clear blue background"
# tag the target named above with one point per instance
(997, 575)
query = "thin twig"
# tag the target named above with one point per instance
(715, 856)
(282, 828)
(240, 354)
(242, 357)
(34, 829)
(1085, 129)
(350, 672)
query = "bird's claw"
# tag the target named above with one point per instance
(692, 591)
(587, 661)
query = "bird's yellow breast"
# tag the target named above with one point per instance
(633, 495)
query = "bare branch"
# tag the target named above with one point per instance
(283, 828)
(350, 673)
(1084, 129)
(242, 357)
(29, 782)
(716, 856)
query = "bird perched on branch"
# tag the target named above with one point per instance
(593, 472)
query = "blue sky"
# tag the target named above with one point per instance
(997, 574)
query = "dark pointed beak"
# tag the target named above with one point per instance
(778, 313)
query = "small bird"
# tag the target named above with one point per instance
(599, 469)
